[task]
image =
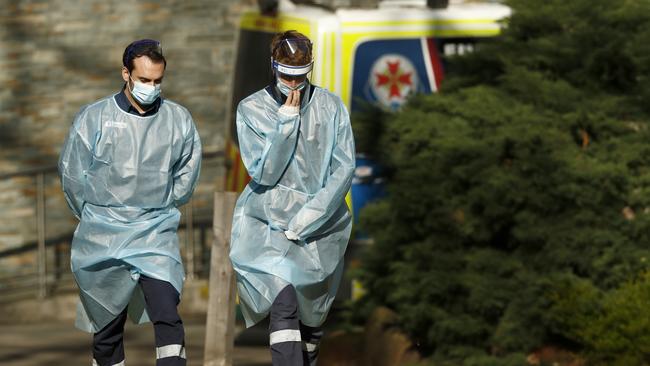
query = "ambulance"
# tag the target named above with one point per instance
(380, 55)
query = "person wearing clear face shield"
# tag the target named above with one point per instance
(291, 224)
(128, 162)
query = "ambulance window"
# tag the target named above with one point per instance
(456, 46)
(450, 47)
(252, 69)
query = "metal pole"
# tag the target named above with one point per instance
(40, 222)
(189, 242)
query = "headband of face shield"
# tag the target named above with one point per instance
(290, 48)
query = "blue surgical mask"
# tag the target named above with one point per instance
(145, 94)
(286, 89)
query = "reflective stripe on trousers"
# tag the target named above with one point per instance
(284, 335)
(292, 343)
(161, 301)
(310, 343)
(172, 350)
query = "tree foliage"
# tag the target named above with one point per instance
(527, 176)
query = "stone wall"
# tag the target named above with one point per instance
(58, 55)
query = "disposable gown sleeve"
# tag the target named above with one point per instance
(74, 161)
(327, 200)
(187, 169)
(266, 147)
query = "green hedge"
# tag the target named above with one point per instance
(529, 169)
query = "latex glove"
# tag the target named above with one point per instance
(291, 235)
(292, 106)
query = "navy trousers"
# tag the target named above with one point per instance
(162, 300)
(292, 343)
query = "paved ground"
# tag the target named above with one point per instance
(60, 344)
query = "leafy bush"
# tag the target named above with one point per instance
(531, 167)
(614, 326)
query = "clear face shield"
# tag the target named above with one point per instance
(292, 48)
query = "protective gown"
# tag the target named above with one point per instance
(301, 168)
(123, 176)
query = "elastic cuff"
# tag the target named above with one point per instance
(291, 235)
(289, 110)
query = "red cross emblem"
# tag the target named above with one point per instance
(394, 78)
(391, 79)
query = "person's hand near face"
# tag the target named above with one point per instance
(293, 99)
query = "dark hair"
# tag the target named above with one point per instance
(300, 58)
(143, 47)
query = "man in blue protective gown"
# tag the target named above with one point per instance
(129, 161)
(291, 224)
